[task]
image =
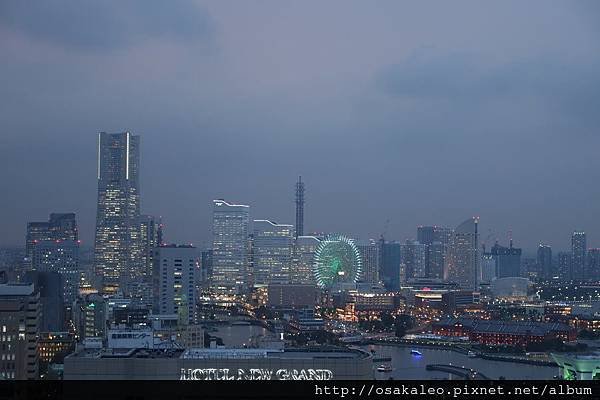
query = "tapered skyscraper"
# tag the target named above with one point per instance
(299, 207)
(117, 244)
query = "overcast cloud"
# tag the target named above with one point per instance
(414, 111)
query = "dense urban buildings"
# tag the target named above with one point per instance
(117, 245)
(153, 311)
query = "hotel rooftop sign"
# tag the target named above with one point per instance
(226, 374)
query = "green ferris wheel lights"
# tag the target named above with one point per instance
(337, 260)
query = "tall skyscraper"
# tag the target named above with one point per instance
(271, 252)
(230, 247)
(412, 254)
(60, 226)
(303, 259)
(370, 261)
(118, 250)
(174, 277)
(578, 252)
(389, 269)
(299, 207)
(544, 262)
(462, 259)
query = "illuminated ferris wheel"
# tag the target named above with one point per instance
(337, 261)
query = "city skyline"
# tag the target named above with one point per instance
(401, 192)
(490, 235)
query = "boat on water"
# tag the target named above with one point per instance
(416, 353)
(471, 354)
(384, 368)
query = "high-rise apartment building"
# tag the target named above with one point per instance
(578, 254)
(413, 257)
(462, 261)
(174, 281)
(370, 261)
(230, 247)
(271, 252)
(118, 246)
(565, 266)
(544, 262)
(303, 260)
(19, 331)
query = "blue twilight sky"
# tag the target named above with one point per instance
(420, 112)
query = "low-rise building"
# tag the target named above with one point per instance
(512, 333)
(322, 363)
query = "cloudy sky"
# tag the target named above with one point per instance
(418, 112)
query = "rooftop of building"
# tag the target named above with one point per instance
(216, 354)
(16, 289)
